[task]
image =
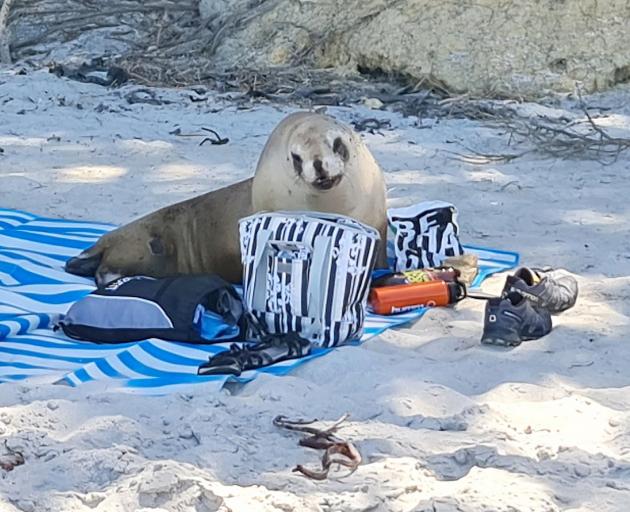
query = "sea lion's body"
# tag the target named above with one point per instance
(336, 173)
(195, 236)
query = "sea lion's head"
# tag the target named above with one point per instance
(312, 162)
(132, 250)
(319, 154)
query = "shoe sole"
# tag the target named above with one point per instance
(500, 342)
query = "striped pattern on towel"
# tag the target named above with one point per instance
(34, 289)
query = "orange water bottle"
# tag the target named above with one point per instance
(388, 300)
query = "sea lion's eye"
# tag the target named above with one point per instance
(297, 163)
(341, 149)
(156, 246)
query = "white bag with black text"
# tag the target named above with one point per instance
(307, 272)
(424, 235)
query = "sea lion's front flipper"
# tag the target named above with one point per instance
(86, 263)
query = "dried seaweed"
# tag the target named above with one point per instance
(336, 450)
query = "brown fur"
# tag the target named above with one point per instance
(199, 235)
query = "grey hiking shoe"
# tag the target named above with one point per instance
(554, 290)
(512, 319)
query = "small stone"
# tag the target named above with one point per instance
(26, 505)
(613, 422)
(582, 470)
(53, 405)
(279, 56)
(461, 457)
(528, 429)
(373, 103)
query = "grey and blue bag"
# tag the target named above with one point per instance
(193, 309)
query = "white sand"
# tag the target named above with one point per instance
(443, 423)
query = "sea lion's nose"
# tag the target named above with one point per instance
(319, 169)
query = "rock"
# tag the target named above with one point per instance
(209, 9)
(582, 470)
(614, 422)
(26, 505)
(513, 48)
(518, 49)
(373, 103)
(461, 457)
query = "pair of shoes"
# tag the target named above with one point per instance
(251, 356)
(523, 312)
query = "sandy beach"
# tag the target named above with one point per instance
(443, 423)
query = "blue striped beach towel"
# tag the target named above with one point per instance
(34, 289)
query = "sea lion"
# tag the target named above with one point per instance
(310, 162)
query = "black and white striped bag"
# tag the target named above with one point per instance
(307, 272)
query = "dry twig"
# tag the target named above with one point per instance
(559, 137)
(560, 140)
